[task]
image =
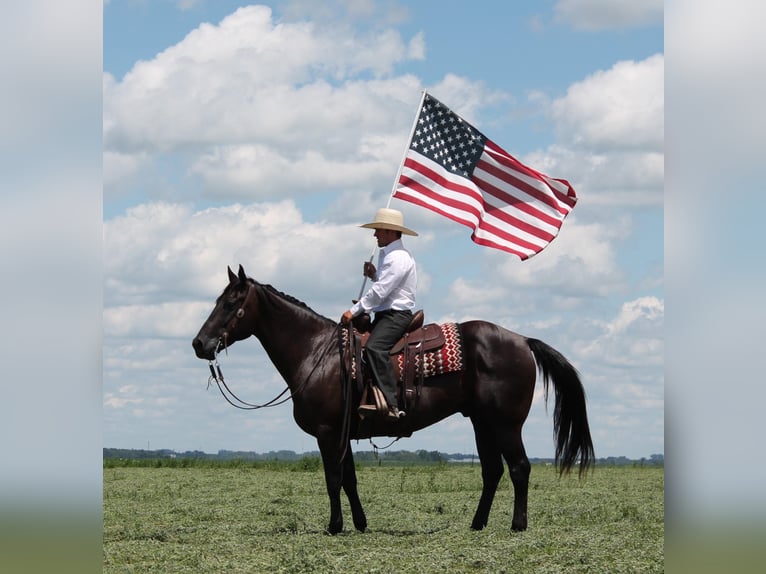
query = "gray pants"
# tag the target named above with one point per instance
(387, 328)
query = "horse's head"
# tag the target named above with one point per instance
(225, 326)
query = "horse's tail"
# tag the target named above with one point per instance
(570, 419)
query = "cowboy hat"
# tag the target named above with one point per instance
(386, 218)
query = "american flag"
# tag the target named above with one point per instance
(453, 169)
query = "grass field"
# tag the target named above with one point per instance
(260, 518)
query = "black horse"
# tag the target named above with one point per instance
(494, 389)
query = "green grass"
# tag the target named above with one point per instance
(252, 518)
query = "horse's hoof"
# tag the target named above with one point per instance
(333, 530)
(478, 526)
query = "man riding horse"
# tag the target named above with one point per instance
(391, 297)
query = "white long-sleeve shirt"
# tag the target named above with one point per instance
(395, 284)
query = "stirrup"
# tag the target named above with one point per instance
(377, 403)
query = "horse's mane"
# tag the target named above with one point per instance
(290, 299)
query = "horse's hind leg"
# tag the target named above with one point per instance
(491, 471)
(349, 487)
(519, 468)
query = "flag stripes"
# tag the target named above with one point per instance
(508, 205)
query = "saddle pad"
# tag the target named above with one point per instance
(446, 359)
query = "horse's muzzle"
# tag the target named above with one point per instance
(203, 351)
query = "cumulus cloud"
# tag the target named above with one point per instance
(620, 108)
(249, 79)
(632, 339)
(621, 361)
(610, 132)
(254, 171)
(609, 14)
(579, 267)
(250, 101)
(580, 262)
(161, 254)
(160, 320)
(119, 167)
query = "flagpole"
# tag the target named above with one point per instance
(398, 175)
(409, 142)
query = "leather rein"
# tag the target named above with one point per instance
(216, 376)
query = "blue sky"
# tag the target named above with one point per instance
(264, 134)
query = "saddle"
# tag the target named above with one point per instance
(416, 334)
(423, 351)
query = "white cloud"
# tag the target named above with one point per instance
(161, 320)
(253, 106)
(610, 130)
(617, 109)
(609, 14)
(620, 360)
(581, 261)
(643, 312)
(579, 266)
(473, 299)
(162, 253)
(119, 167)
(250, 79)
(462, 292)
(632, 339)
(115, 402)
(253, 171)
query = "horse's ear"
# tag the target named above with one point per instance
(232, 277)
(242, 276)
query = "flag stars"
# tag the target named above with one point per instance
(446, 139)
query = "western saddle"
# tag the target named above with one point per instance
(417, 340)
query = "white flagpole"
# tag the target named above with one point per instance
(409, 142)
(398, 175)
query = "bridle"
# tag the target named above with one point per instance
(216, 374)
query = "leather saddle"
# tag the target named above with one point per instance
(416, 341)
(417, 336)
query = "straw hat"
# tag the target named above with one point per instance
(386, 218)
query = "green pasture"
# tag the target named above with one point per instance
(271, 518)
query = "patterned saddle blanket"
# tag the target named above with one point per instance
(414, 355)
(434, 349)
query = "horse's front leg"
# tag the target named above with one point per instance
(333, 475)
(349, 486)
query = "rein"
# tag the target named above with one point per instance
(216, 376)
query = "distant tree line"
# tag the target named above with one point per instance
(362, 457)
